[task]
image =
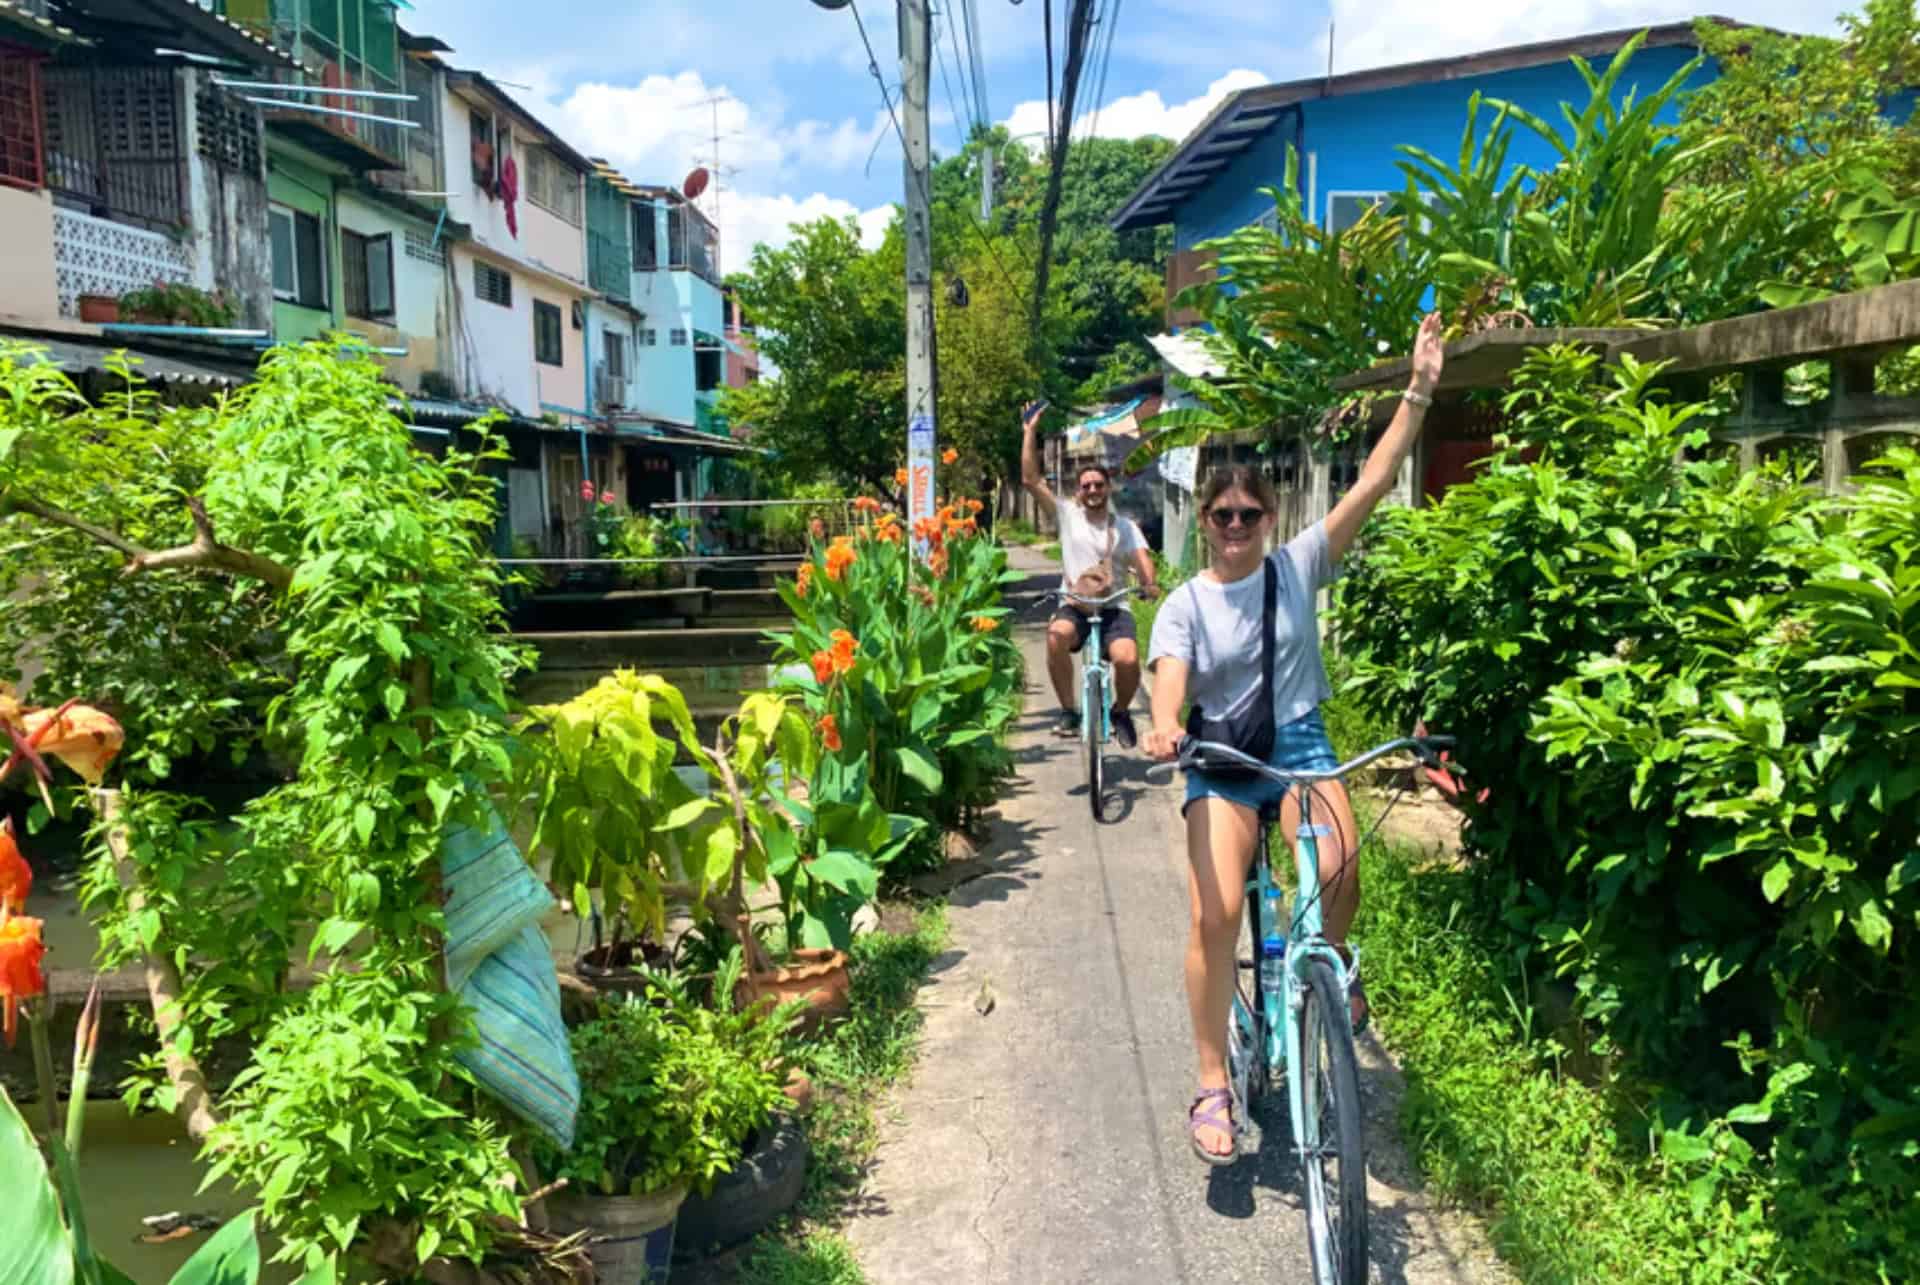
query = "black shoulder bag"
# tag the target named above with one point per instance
(1252, 731)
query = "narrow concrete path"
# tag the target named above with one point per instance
(1045, 1141)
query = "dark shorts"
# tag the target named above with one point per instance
(1114, 624)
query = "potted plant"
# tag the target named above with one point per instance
(610, 814)
(669, 1093)
(99, 309)
(175, 303)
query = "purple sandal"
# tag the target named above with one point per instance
(1214, 1119)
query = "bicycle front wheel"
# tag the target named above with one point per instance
(1331, 1148)
(1092, 725)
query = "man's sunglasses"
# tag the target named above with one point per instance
(1226, 519)
(1095, 485)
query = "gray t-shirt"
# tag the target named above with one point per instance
(1215, 628)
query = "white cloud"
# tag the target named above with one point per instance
(748, 219)
(1380, 33)
(657, 130)
(1137, 115)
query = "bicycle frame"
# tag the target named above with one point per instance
(1096, 726)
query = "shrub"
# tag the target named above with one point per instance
(1695, 687)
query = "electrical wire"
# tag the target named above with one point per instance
(963, 128)
(1053, 131)
(977, 59)
(959, 53)
(1112, 20)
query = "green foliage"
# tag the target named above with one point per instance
(607, 806)
(177, 303)
(366, 593)
(192, 681)
(923, 710)
(823, 1258)
(670, 1089)
(1696, 684)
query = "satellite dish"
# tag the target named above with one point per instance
(696, 183)
(841, 4)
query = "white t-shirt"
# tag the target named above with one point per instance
(1215, 628)
(1082, 543)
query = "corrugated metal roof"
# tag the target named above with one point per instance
(78, 356)
(1187, 354)
(45, 28)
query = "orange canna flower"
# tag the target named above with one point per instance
(866, 504)
(803, 579)
(21, 950)
(900, 477)
(975, 507)
(844, 645)
(985, 624)
(16, 876)
(82, 737)
(829, 729)
(822, 668)
(938, 562)
(839, 558)
(950, 456)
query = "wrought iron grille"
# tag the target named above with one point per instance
(20, 159)
(116, 142)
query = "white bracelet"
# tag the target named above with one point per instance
(1417, 399)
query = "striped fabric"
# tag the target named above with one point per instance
(499, 964)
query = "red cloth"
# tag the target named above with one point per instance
(510, 192)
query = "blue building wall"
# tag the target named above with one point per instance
(1356, 138)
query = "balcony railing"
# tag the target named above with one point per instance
(116, 142)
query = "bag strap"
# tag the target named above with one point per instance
(1269, 614)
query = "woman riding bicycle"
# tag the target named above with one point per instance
(1206, 648)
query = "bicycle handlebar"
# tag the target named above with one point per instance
(1063, 596)
(1200, 756)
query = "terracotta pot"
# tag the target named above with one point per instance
(630, 1237)
(99, 309)
(818, 976)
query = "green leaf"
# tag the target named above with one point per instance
(231, 1256)
(391, 641)
(363, 818)
(440, 794)
(919, 769)
(1774, 883)
(34, 1248)
(1684, 1148)
(722, 845)
(686, 814)
(845, 870)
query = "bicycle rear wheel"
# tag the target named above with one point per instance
(1331, 1148)
(1093, 724)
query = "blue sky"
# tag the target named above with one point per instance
(799, 115)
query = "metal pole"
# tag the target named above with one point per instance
(987, 157)
(916, 55)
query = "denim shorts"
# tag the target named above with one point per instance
(1299, 746)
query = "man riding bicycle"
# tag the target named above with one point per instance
(1095, 543)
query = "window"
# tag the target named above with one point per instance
(676, 236)
(366, 274)
(299, 260)
(20, 159)
(553, 185)
(646, 237)
(481, 129)
(546, 333)
(615, 344)
(708, 369)
(650, 338)
(490, 285)
(678, 338)
(1345, 208)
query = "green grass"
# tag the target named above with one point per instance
(820, 1258)
(1051, 552)
(1017, 531)
(1561, 1165)
(851, 1067)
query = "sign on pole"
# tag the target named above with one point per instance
(920, 479)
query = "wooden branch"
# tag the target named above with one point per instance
(207, 551)
(738, 919)
(204, 551)
(193, 1103)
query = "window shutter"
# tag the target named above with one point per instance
(380, 275)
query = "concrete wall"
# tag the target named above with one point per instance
(422, 319)
(565, 385)
(663, 371)
(544, 241)
(26, 256)
(495, 343)
(1354, 139)
(232, 250)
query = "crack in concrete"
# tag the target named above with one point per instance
(993, 1160)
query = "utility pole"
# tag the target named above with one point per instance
(916, 55)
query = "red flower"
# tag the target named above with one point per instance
(586, 492)
(830, 734)
(822, 668)
(606, 497)
(839, 558)
(844, 645)
(21, 950)
(950, 456)
(16, 876)
(803, 579)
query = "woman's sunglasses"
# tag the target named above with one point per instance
(1225, 519)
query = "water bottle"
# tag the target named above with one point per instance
(1273, 946)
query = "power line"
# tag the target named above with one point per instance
(1046, 18)
(939, 54)
(1112, 20)
(873, 66)
(966, 90)
(977, 59)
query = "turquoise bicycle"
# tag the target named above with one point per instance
(1293, 1019)
(1096, 687)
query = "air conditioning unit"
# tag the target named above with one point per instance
(609, 387)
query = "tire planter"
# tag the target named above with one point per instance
(744, 1200)
(630, 1237)
(818, 976)
(610, 970)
